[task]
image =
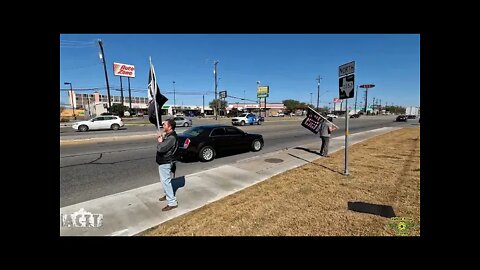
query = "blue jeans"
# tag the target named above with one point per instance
(166, 179)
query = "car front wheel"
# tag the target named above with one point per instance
(115, 126)
(185, 124)
(83, 128)
(207, 153)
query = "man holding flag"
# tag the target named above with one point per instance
(167, 143)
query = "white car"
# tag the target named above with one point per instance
(332, 115)
(99, 122)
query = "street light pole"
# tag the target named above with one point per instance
(318, 91)
(71, 95)
(173, 98)
(102, 57)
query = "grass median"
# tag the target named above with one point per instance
(312, 200)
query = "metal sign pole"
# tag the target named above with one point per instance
(346, 138)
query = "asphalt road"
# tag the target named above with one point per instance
(89, 171)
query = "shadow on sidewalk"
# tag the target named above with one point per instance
(307, 150)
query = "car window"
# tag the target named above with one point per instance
(233, 131)
(195, 131)
(218, 132)
(99, 118)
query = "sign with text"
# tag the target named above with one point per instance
(312, 121)
(223, 94)
(346, 85)
(346, 69)
(263, 91)
(123, 70)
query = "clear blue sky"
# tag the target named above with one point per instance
(288, 63)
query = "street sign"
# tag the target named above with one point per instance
(223, 94)
(367, 85)
(346, 69)
(346, 85)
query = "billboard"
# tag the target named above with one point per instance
(123, 70)
(262, 91)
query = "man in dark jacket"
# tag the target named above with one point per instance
(166, 148)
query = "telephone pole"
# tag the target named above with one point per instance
(318, 91)
(102, 57)
(216, 100)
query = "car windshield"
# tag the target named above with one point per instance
(193, 132)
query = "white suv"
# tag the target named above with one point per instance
(99, 122)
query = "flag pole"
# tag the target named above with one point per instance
(322, 116)
(154, 79)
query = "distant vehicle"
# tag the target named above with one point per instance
(401, 118)
(182, 122)
(246, 118)
(100, 122)
(411, 116)
(280, 114)
(356, 115)
(411, 112)
(332, 115)
(204, 142)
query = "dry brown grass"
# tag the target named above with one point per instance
(311, 200)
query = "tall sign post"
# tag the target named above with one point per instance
(346, 84)
(262, 92)
(366, 86)
(124, 70)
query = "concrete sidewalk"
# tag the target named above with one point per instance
(133, 211)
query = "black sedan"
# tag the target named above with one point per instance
(401, 118)
(206, 141)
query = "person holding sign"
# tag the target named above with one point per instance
(326, 128)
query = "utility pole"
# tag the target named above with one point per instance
(373, 106)
(318, 91)
(259, 104)
(216, 100)
(244, 102)
(88, 102)
(173, 98)
(203, 104)
(71, 95)
(102, 57)
(311, 100)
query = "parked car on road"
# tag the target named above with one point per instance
(332, 115)
(356, 115)
(182, 122)
(204, 142)
(100, 122)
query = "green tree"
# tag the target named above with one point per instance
(292, 104)
(118, 109)
(222, 104)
